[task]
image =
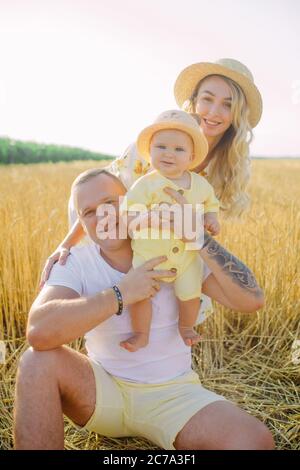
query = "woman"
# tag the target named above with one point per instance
(223, 95)
(229, 105)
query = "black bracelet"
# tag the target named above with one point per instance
(119, 298)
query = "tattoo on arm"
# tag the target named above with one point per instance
(232, 266)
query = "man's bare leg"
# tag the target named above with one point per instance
(223, 426)
(50, 383)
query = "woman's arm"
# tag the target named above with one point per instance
(61, 253)
(231, 282)
(74, 235)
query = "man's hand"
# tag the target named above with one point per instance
(143, 282)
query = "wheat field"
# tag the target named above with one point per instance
(252, 359)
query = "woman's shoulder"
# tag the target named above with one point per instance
(129, 166)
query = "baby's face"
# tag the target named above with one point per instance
(171, 152)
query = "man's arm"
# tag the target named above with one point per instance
(59, 315)
(231, 283)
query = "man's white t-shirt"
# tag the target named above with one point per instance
(164, 358)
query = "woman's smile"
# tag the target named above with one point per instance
(211, 123)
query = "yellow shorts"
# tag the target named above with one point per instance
(156, 412)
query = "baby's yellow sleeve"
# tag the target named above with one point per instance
(211, 203)
(136, 199)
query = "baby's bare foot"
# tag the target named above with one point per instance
(132, 344)
(189, 335)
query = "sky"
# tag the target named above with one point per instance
(93, 73)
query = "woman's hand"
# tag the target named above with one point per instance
(60, 254)
(186, 233)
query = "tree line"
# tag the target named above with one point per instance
(17, 151)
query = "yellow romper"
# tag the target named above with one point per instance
(145, 194)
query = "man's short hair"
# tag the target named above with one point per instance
(88, 175)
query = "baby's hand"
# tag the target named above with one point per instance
(211, 223)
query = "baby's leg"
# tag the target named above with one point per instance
(188, 313)
(141, 315)
(188, 292)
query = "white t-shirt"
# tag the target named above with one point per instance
(165, 357)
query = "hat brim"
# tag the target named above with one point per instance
(189, 78)
(199, 140)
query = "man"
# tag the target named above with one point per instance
(153, 392)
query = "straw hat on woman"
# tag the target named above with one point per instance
(229, 105)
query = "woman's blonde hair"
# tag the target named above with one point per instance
(229, 169)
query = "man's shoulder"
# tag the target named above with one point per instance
(83, 248)
(79, 258)
(82, 252)
(79, 267)
(71, 274)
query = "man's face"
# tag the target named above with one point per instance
(93, 198)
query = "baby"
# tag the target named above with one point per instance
(175, 145)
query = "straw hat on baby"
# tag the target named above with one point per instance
(189, 78)
(178, 120)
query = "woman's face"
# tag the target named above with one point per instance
(213, 104)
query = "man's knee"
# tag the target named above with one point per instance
(35, 362)
(262, 437)
(253, 437)
(223, 426)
